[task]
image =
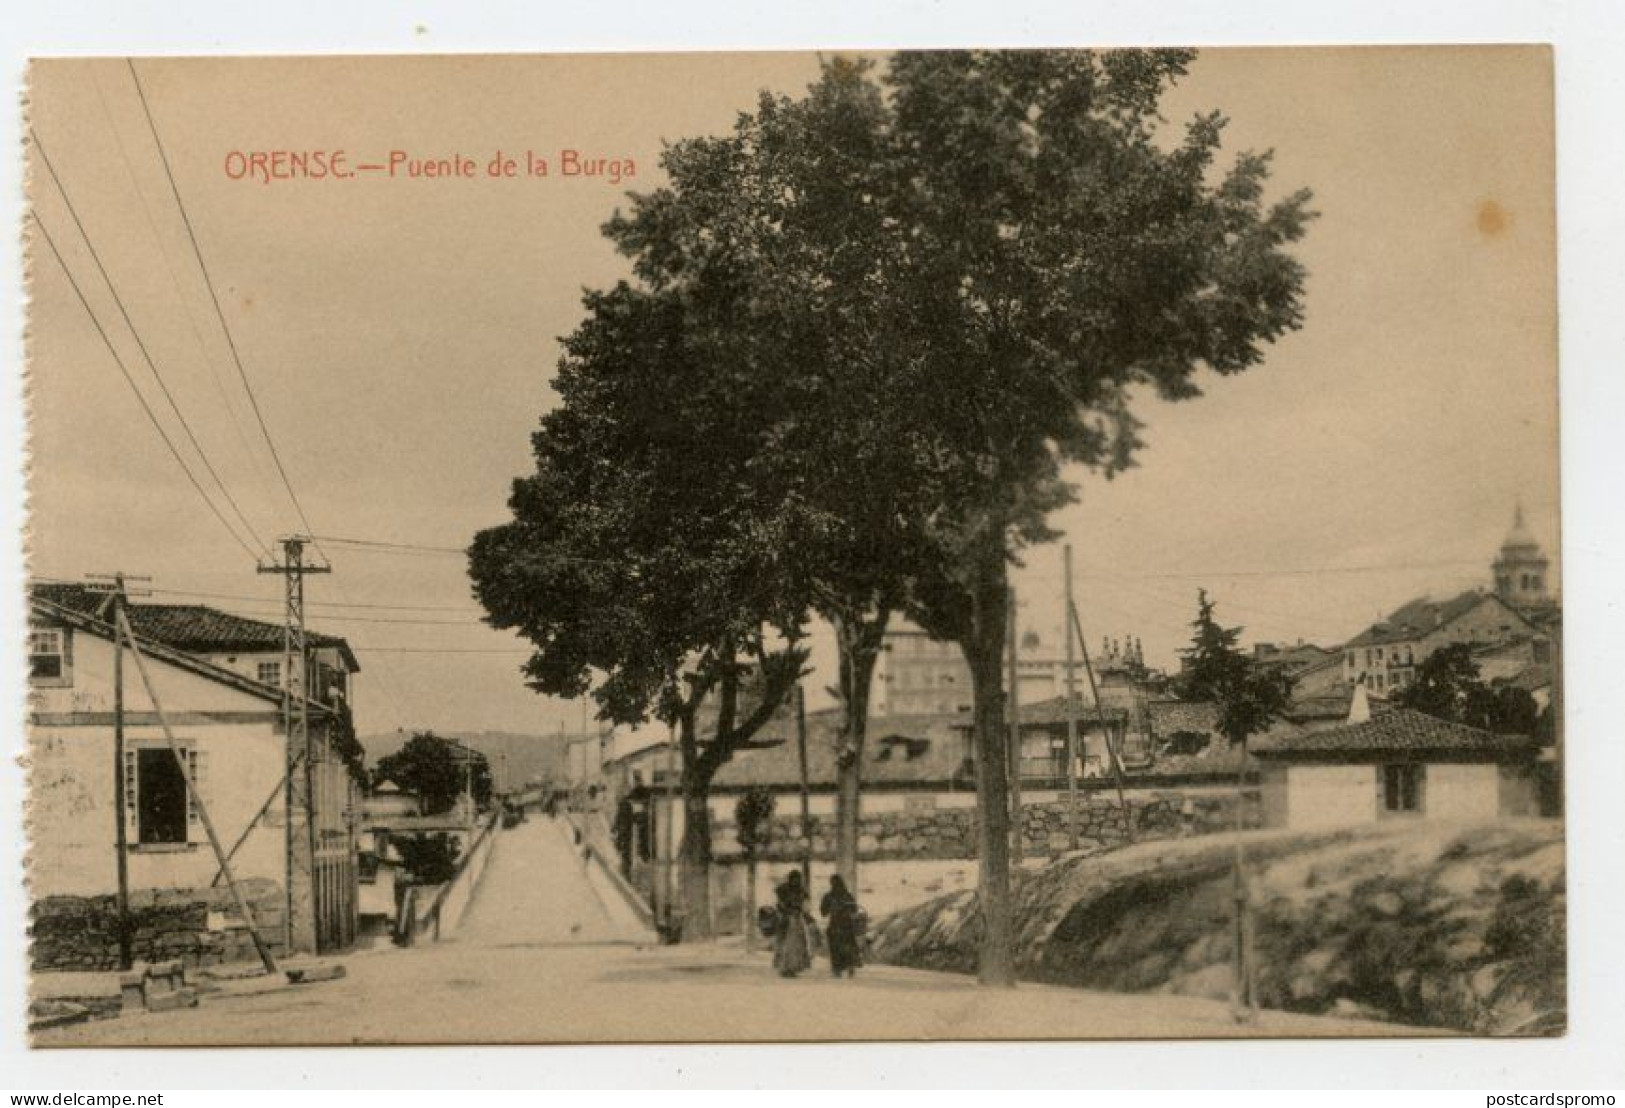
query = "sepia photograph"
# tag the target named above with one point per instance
(764, 547)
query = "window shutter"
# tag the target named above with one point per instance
(132, 795)
(196, 763)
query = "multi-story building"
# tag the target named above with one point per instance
(917, 675)
(1385, 655)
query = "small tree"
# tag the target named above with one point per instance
(1448, 686)
(429, 859)
(1248, 698)
(753, 821)
(431, 769)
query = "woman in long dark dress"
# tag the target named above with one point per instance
(792, 946)
(844, 929)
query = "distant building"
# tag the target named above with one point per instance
(1385, 655)
(917, 675)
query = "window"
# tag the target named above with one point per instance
(48, 662)
(269, 673)
(156, 798)
(1402, 788)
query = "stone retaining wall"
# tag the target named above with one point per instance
(950, 833)
(81, 932)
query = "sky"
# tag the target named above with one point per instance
(399, 335)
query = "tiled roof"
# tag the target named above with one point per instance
(1419, 617)
(901, 750)
(1400, 731)
(1303, 656)
(1054, 711)
(87, 622)
(194, 628)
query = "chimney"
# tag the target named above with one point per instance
(1359, 706)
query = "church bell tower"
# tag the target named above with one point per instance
(1521, 568)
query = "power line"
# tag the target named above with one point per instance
(1292, 571)
(214, 298)
(321, 603)
(142, 400)
(215, 375)
(402, 547)
(118, 301)
(440, 650)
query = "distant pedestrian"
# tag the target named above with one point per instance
(845, 928)
(792, 945)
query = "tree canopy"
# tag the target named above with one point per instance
(1248, 696)
(1448, 685)
(431, 769)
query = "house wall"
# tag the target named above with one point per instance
(71, 822)
(1518, 791)
(1330, 795)
(241, 755)
(1488, 621)
(1462, 792)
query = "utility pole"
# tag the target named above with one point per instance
(1071, 712)
(806, 798)
(296, 709)
(1013, 708)
(117, 597)
(1112, 755)
(122, 628)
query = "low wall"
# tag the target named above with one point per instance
(439, 916)
(950, 833)
(81, 933)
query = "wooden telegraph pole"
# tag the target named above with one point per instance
(1071, 712)
(806, 789)
(1012, 702)
(117, 597)
(1105, 727)
(296, 710)
(122, 627)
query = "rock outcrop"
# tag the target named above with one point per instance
(1420, 923)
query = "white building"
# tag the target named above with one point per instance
(1401, 764)
(231, 731)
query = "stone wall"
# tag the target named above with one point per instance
(950, 833)
(81, 932)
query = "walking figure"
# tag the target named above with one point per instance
(845, 928)
(792, 945)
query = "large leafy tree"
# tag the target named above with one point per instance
(908, 302)
(1063, 252)
(640, 562)
(789, 207)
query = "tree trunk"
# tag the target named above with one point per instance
(750, 903)
(984, 649)
(859, 649)
(694, 857)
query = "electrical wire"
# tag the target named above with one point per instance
(140, 344)
(130, 380)
(214, 298)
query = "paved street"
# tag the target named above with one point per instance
(537, 890)
(546, 957)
